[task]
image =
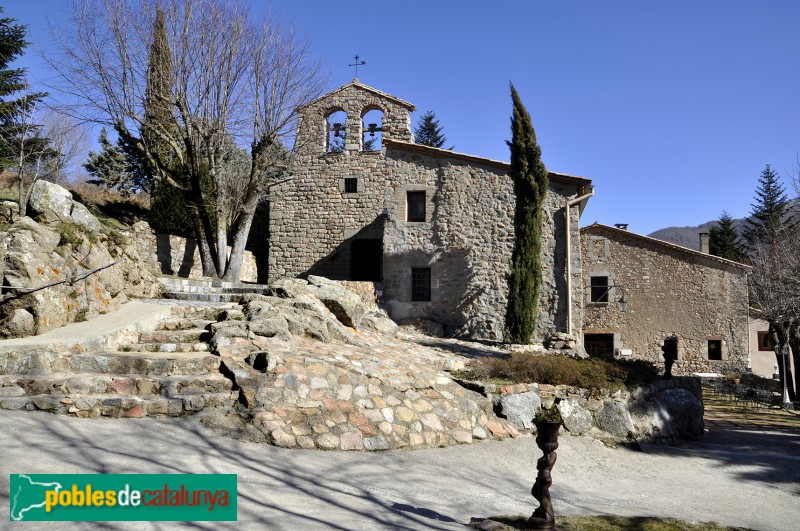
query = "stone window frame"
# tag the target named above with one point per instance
(343, 185)
(428, 290)
(618, 344)
(399, 211)
(681, 347)
(612, 295)
(417, 194)
(723, 348)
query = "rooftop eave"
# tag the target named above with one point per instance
(356, 83)
(668, 245)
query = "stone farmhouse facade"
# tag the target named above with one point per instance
(692, 303)
(433, 228)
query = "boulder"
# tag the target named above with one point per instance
(520, 409)
(287, 288)
(345, 305)
(683, 412)
(577, 419)
(81, 215)
(50, 203)
(378, 321)
(615, 419)
(9, 212)
(19, 324)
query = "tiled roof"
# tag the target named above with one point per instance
(662, 243)
(438, 152)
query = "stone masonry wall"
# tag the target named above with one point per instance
(670, 292)
(176, 255)
(466, 239)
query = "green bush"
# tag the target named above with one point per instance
(590, 373)
(167, 212)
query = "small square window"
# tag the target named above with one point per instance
(715, 349)
(415, 206)
(599, 289)
(350, 185)
(420, 284)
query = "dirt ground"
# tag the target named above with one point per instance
(746, 472)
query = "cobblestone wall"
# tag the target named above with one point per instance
(670, 292)
(465, 240)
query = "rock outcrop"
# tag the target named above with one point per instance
(318, 366)
(57, 266)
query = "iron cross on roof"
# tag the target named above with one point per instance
(357, 64)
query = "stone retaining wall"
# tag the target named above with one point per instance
(666, 410)
(176, 255)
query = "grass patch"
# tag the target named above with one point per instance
(614, 523)
(73, 234)
(592, 373)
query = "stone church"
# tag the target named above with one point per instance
(432, 228)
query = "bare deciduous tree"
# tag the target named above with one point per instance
(232, 82)
(775, 294)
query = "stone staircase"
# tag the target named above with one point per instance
(207, 290)
(167, 372)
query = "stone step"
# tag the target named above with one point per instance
(184, 323)
(212, 290)
(209, 283)
(188, 335)
(202, 312)
(115, 406)
(66, 385)
(202, 297)
(164, 347)
(28, 363)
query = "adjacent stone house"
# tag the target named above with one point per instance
(693, 304)
(433, 228)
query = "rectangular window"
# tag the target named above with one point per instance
(415, 206)
(420, 284)
(715, 349)
(765, 342)
(350, 185)
(599, 289)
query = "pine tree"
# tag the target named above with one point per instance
(770, 217)
(22, 148)
(428, 133)
(111, 167)
(723, 239)
(531, 180)
(12, 44)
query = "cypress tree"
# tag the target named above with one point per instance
(770, 218)
(723, 239)
(428, 133)
(168, 212)
(158, 119)
(530, 179)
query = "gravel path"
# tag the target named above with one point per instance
(747, 486)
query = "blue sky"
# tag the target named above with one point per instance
(671, 108)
